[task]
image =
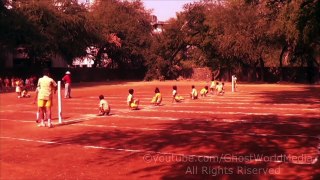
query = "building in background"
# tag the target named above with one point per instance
(158, 26)
(87, 3)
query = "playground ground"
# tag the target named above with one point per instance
(262, 131)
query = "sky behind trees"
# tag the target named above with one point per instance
(165, 9)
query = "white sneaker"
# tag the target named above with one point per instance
(50, 125)
(41, 124)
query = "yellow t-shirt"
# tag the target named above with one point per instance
(203, 91)
(157, 98)
(46, 86)
(213, 84)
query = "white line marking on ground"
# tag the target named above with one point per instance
(197, 131)
(173, 130)
(148, 109)
(230, 158)
(185, 105)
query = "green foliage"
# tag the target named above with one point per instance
(131, 23)
(219, 34)
(235, 34)
(47, 30)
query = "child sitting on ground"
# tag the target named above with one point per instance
(194, 93)
(175, 95)
(25, 94)
(104, 108)
(132, 103)
(213, 86)
(220, 89)
(156, 100)
(204, 91)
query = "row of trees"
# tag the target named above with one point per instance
(66, 28)
(232, 34)
(237, 34)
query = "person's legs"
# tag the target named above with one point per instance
(134, 105)
(69, 90)
(66, 85)
(42, 111)
(48, 112)
(106, 112)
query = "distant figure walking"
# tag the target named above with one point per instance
(67, 84)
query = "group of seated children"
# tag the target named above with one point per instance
(217, 88)
(104, 108)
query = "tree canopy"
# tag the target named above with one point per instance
(233, 34)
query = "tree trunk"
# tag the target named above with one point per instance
(262, 78)
(310, 69)
(216, 74)
(280, 63)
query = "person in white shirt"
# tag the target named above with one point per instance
(132, 103)
(194, 93)
(104, 108)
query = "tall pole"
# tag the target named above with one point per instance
(59, 102)
(232, 83)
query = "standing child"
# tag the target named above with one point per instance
(157, 98)
(204, 91)
(194, 93)
(234, 78)
(175, 96)
(132, 103)
(104, 108)
(24, 93)
(19, 84)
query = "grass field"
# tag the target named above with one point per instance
(264, 131)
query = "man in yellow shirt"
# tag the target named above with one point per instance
(47, 86)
